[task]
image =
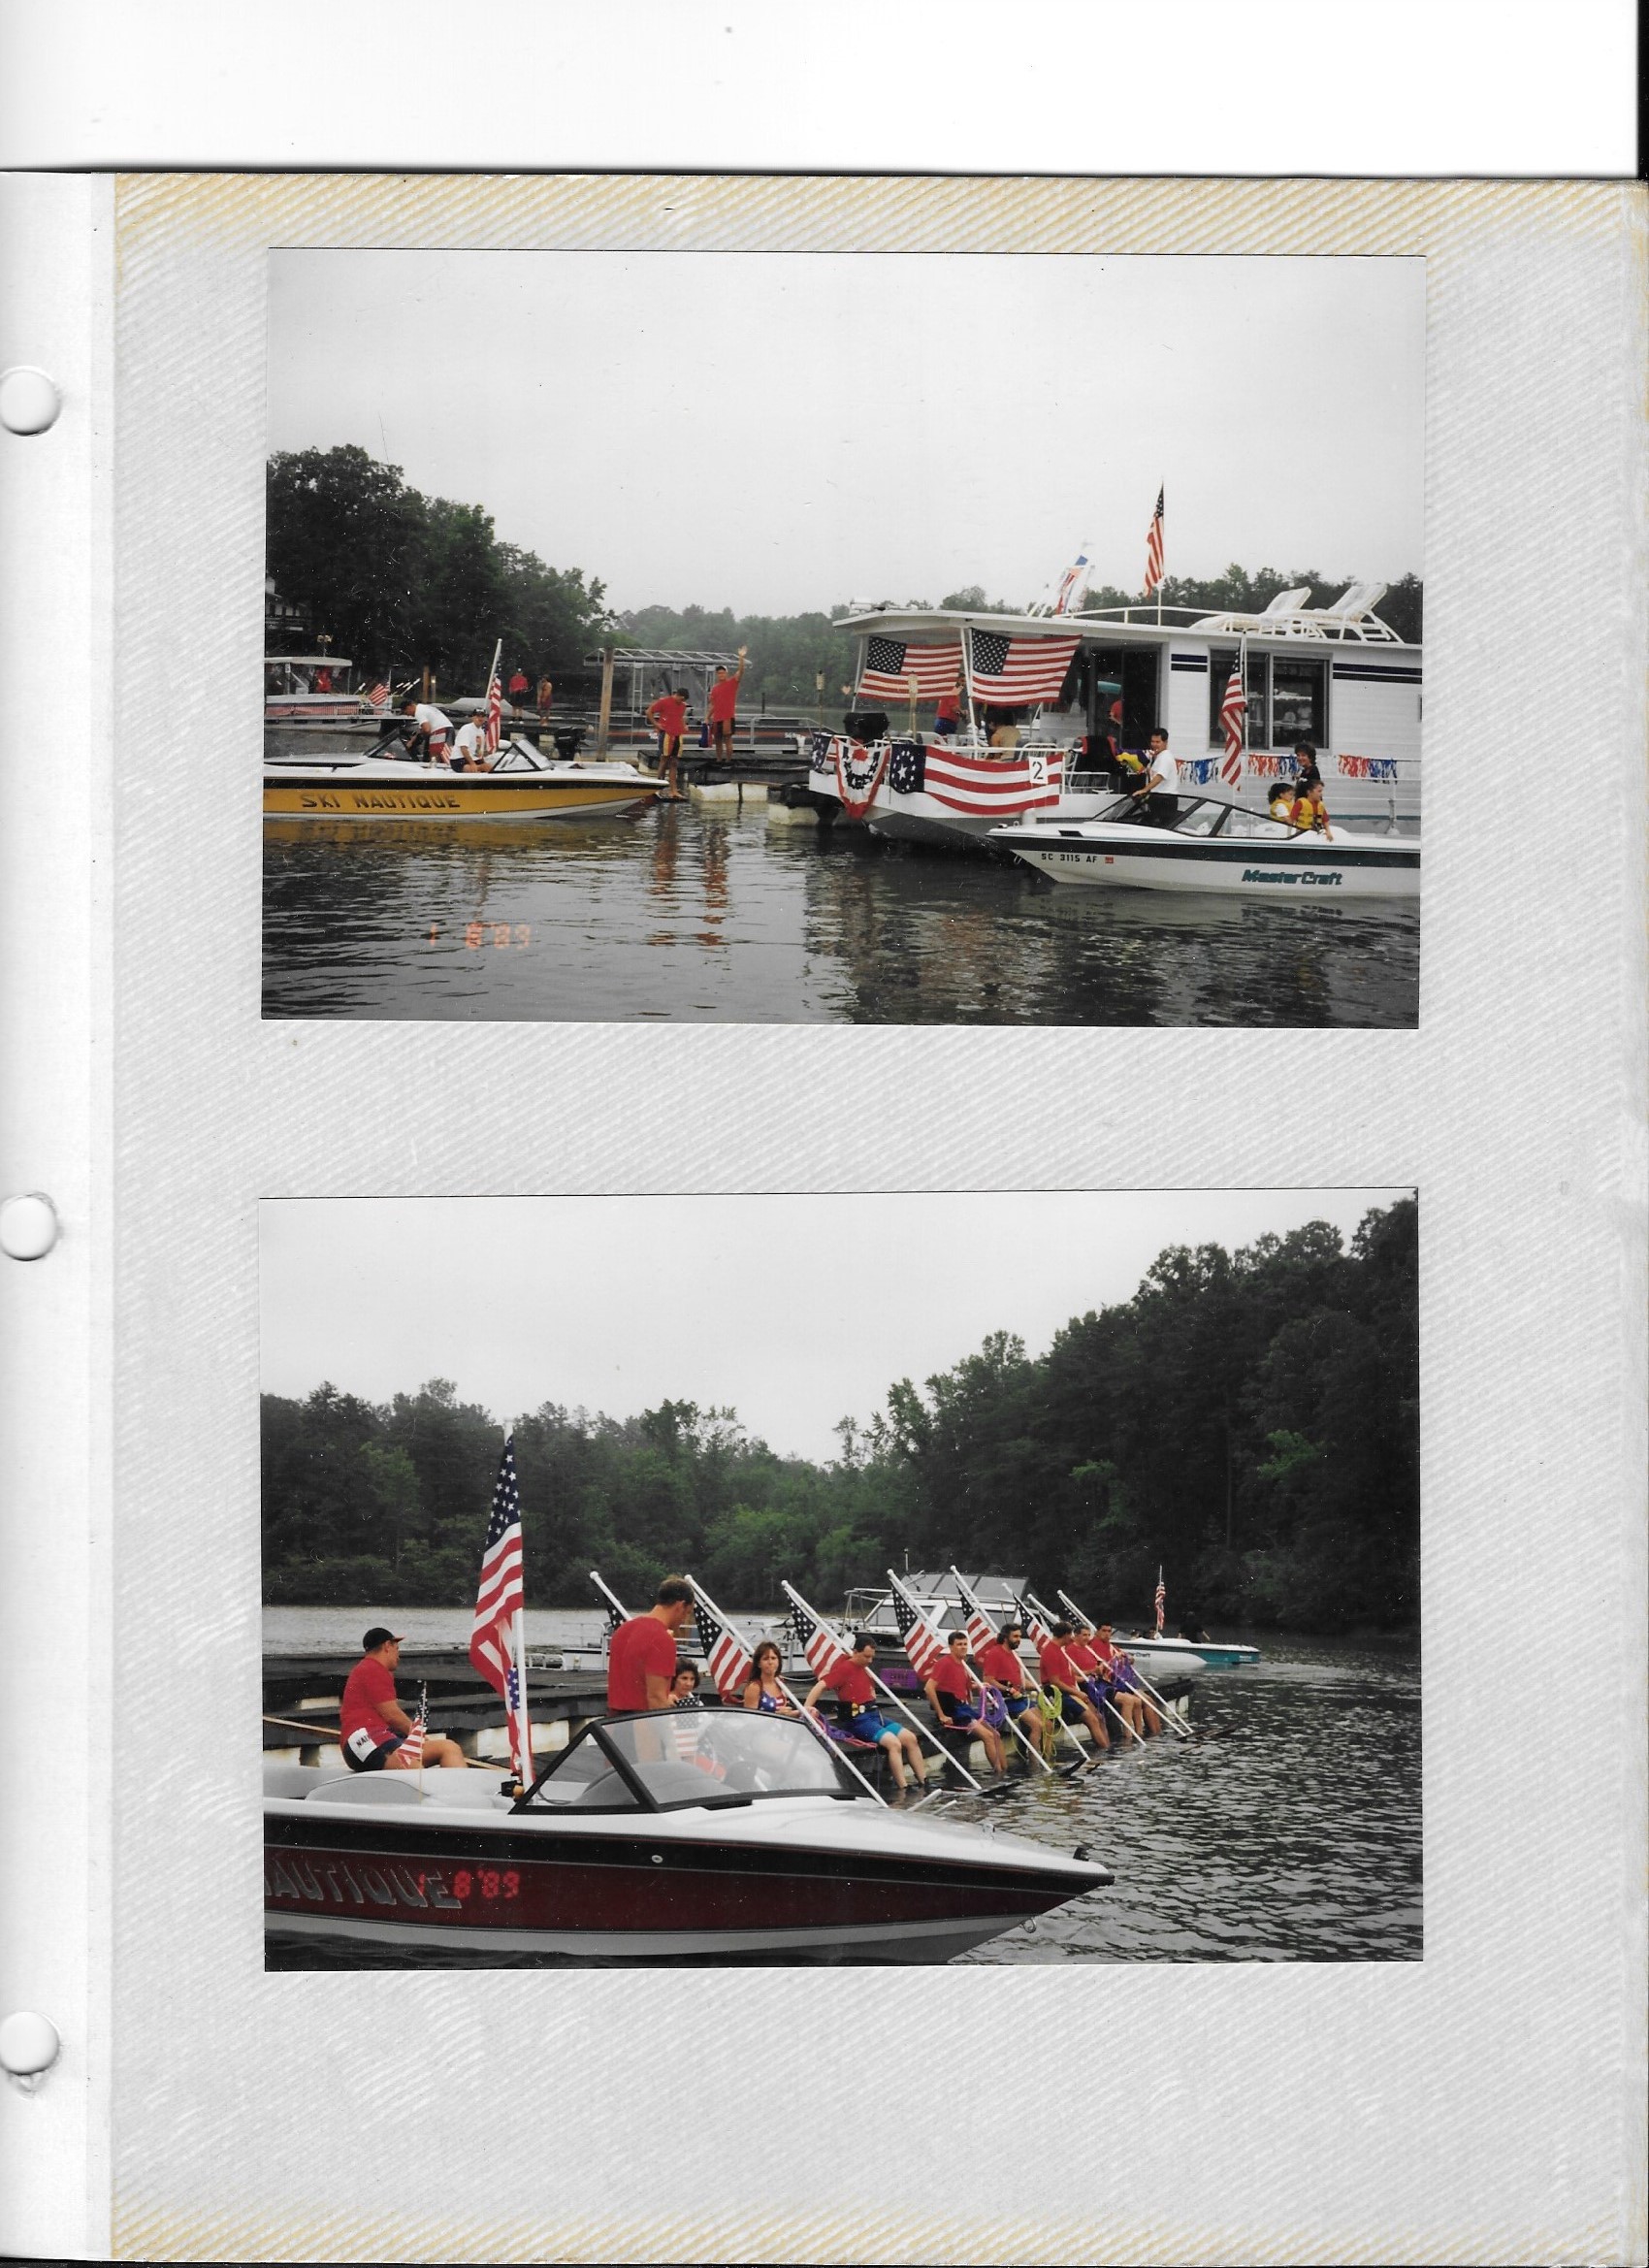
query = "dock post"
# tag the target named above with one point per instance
(604, 719)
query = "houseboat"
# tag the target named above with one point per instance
(310, 689)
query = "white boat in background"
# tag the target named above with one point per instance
(315, 689)
(1216, 843)
(385, 783)
(1335, 676)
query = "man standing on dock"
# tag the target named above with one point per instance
(641, 1653)
(724, 706)
(668, 716)
(372, 1722)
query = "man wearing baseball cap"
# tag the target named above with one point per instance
(374, 1724)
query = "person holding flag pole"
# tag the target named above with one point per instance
(985, 1641)
(824, 1648)
(1034, 1623)
(734, 1656)
(1088, 1687)
(926, 1651)
(498, 1635)
(1164, 1708)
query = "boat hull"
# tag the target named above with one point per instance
(1308, 869)
(415, 794)
(465, 1890)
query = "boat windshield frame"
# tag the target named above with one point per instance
(608, 1736)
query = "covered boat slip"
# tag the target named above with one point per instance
(678, 1835)
(1335, 676)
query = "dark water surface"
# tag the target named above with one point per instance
(715, 914)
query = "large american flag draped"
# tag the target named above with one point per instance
(1012, 673)
(889, 663)
(1153, 548)
(1022, 779)
(725, 1650)
(497, 1597)
(922, 1641)
(1231, 712)
(817, 1640)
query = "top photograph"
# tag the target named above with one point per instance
(843, 638)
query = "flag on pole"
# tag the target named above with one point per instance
(981, 1629)
(495, 703)
(1153, 548)
(1072, 584)
(728, 1657)
(921, 1642)
(816, 1638)
(1015, 672)
(889, 665)
(1161, 1603)
(410, 1754)
(1035, 1628)
(500, 1598)
(1232, 713)
(377, 695)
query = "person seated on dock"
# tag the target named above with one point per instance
(1125, 1677)
(766, 1689)
(1062, 1682)
(684, 1688)
(668, 716)
(1001, 1668)
(952, 1697)
(372, 1722)
(849, 1679)
(1099, 1665)
(641, 1653)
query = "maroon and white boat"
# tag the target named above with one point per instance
(684, 1835)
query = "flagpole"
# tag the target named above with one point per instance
(816, 1731)
(523, 1721)
(1094, 1686)
(1043, 1615)
(970, 1600)
(1166, 1708)
(927, 1626)
(923, 1732)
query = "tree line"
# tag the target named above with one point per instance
(400, 581)
(1247, 1422)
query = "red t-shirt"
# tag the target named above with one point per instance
(1106, 1651)
(368, 1684)
(638, 1645)
(724, 700)
(518, 683)
(952, 1677)
(1001, 1665)
(1055, 1665)
(851, 1680)
(1082, 1654)
(669, 714)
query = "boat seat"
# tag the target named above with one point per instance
(372, 1789)
(293, 1781)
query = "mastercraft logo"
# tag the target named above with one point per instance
(1312, 880)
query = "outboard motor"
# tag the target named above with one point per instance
(568, 743)
(865, 725)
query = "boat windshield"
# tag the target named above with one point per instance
(678, 1757)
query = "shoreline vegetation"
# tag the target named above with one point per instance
(400, 581)
(1249, 1421)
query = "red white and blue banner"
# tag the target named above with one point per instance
(993, 787)
(859, 773)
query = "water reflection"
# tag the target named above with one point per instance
(688, 914)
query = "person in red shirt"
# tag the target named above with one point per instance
(950, 1692)
(1000, 1666)
(849, 1679)
(517, 686)
(668, 716)
(641, 1654)
(949, 713)
(1060, 1675)
(372, 1722)
(724, 706)
(1098, 1673)
(1121, 1668)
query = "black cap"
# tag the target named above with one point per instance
(378, 1637)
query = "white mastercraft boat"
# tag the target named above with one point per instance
(676, 1836)
(386, 783)
(1216, 843)
(1048, 702)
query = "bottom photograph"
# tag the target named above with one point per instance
(915, 1578)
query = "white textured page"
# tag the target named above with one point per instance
(1483, 2105)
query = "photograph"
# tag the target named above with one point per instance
(1033, 1580)
(843, 637)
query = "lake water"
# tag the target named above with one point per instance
(1291, 1832)
(715, 913)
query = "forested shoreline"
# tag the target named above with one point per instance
(400, 581)
(1249, 1421)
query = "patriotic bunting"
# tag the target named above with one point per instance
(1367, 768)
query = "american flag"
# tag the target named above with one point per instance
(889, 663)
(1161, 1603)
(1012, 673)
(1019, 780)
(1071, 583)
(981, 1629)
(1036, 1630)
(906, 766)
(922, 1641)
(725, 1650)
(1153, 548)
(495, 710)
(817, 1640)
(499, 1598)
(410, 1753)
(376, 695)
(1232, 711)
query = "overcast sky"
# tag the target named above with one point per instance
(777, 432)
(796, 1310)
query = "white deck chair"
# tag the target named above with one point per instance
(1355, 604)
